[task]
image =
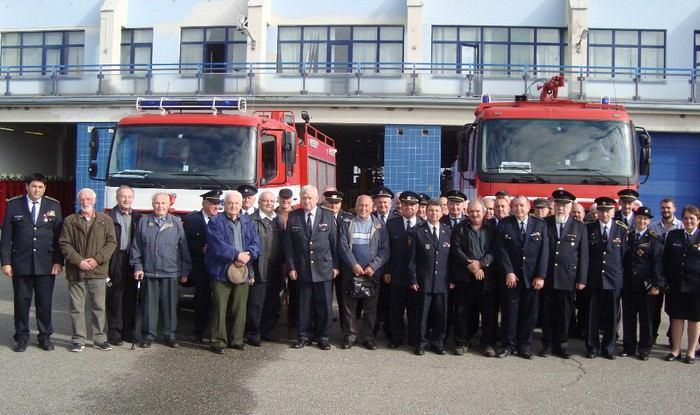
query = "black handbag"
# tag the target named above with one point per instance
(363, 287)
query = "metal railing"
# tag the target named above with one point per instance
(393, 79)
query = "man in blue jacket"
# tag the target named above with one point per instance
(522, 249)
(232, 241)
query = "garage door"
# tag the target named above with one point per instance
(674, 171)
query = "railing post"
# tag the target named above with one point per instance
(470, 80)
(526, 78)
(581, 79)
(100, 78)
(149, 80)
(7, 83)
(358, 75)
(691, 81)
(414, 76)
(54, 81)
(251, 79)
(199, 80)
(637, 78)
(303, 79)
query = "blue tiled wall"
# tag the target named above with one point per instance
(82, 160)
(412, 159)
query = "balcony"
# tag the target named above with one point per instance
(400, 80)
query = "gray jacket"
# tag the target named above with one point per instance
(268, 265)
(160, 252)
(378, 245)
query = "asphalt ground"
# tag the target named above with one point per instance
(280, 380)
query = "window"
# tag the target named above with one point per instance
(137, 50)
(269, 157)
(39, 52)
(496, 49)
(336, 48)
(617, 52)
(214, 49)
(696, 48)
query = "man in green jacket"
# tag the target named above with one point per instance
(87, 240)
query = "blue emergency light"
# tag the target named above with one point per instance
(605, 100)
(215, 104)
(485, 98)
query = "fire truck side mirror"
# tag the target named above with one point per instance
(645, 151)
(289, 148)
(94, 147)
(463, 147)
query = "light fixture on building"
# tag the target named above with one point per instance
(242, 28)
(7, 129)
(33, 132)
(583, 36)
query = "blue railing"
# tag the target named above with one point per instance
(390, 79)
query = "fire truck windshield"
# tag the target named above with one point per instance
(183, 156)
(549, 149)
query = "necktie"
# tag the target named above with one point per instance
(605, 234)
(454, 223)
(435, 233)
(561, 230)
(522, 227)
(687, 238)
(637, 236)
(383, 218)
(33, 212)
(309, 225)
(408, 224)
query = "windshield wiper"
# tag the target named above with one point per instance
(600, 174)
(141, 174)
(208, 176)
(534, 177)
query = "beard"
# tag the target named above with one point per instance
(561, 218)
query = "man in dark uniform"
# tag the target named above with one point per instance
(332, 201)
(121, 292)
(195, 225)
(423, 205)
(455, 215)
(382, 197)
(567, 272)
(625, 214)
(32, 258)
(310, 249)
(643, 281)
(607, 242)
(522, 250)
(429, 246)
(401, 297)
(248, 191)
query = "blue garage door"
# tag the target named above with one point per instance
(674, 171)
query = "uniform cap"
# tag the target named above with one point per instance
(213, 196)
(285, 194)
(629, 195)
(409, 197)
(382, 191)
(643, 211)
(247, 190)
(424, 198)
(541, 202)
(333, 196)
(455, 196)
(604, 202)
(562, 196)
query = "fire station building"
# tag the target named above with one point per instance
(392, 81)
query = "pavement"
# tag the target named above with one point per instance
(280, 380)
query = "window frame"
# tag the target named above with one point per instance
(63, 49)
(696, 49)
(328, 66)
(132, 49)
(204, 42)
(639, 47)
(509, 43)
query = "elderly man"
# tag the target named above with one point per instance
(578, 212)
(121, 292)
(382, 203)
(488, 206)
(232, 241)
(364, 249)
(87, 242)
(501, 209)
(381, 197)
(567, 273)
(627, 200)
(263, 296)
(522, 249)
(248, 193)
(32, 258)
(310, 249)
(284, 201)
(540, 208)
(332, 200)
(473, 281)
(195, 225)
(159, 255)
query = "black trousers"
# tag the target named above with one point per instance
(431, 311)
(637, 306)
(315, 301)
(519, 307)
(24, 288)
(115, 298)
(471, 298)
(556, 318)
(202, 304)
(657, 303)
(338, 287)
(383, 308)
(254, 310)
(402, 301)
(603, 313)
(348, 314)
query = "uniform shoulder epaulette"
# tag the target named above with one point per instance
(15, 197)
(346, 219)
(589, 221)
(327, 208)
(654, 234)
(621, 224)
(51, 198)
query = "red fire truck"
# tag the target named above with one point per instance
(534, 147)
(192, 145)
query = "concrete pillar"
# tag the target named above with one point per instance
(113, 15)
(576, 53)
(258, 20)
(414, 31)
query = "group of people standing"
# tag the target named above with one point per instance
(416, 268)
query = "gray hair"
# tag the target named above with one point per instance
(231, 193)
(479, 202)
(266, 192)
(88, 191)
(309, 188)
(156, 194)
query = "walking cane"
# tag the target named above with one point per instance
(138, 306)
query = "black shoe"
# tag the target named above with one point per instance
(47, 345)
(545, 352)
(689, 359)
(324, 345)
(608, 356)
(643, 356)
(370, 345)
(254, 343)
(237, 346)
(564, 354)
(116, 343)
(145, 344)
(346, 344)
(503, 354)
(671, 357)
(104, 346)
(172, 344)
(300, 344)
(394, 345)
(419, 351)
(526, 354)
(20, 347)
(625, 354)
(439, 350)
(217, 350)
(270, 338)
(590, 355)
